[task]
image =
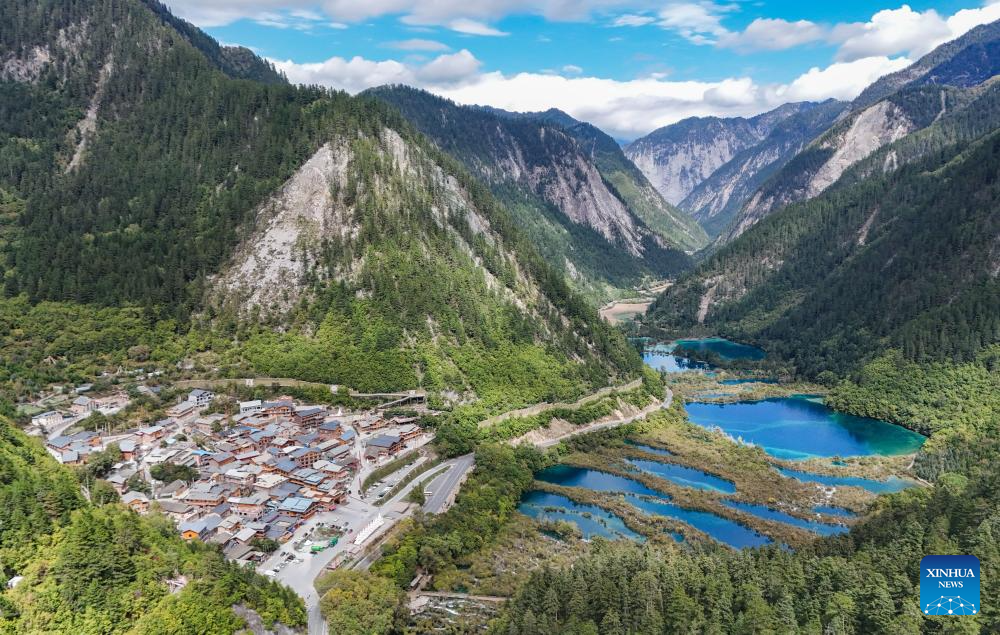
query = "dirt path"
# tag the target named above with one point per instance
(531, 411)
(601, 425)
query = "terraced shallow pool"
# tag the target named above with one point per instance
(591, 520)
(570, 476)
(830, 510)
(649, 448)
(888, 486)
(801, 427)
(654, 503)
(763, 511)
(684, 476)
(722, 529)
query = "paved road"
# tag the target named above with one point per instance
(445, 486)
(59, 428)
(356, 513)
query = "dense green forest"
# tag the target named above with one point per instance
(101, 569)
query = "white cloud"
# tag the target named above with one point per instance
(449, 69)
(358, 73)
(904, 31)
(353, 75)
(623, 108)
(773, 35)
(473, 27)
(208, 13)
(631, 19)
(698, 22)
(418, 44)
(572, 69)
(843, 80)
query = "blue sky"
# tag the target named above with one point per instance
(626, 65)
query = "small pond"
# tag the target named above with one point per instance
(591, 520)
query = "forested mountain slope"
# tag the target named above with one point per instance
(903, 259)
(571, 208)
(311, 234)
(97, 567)
(893, 107)
(629, 181)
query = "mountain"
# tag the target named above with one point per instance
(717, 199)
(893, 107)
(565, 192)
(629, 181)
(676, 158)
(301, 231)
(709, 166)
(902, 254)
(963, 62)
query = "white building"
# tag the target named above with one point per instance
(251, 406)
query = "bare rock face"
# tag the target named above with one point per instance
(575, 186)
(316, 211)
(268, 270)
(849, 142)
(871, 129)
(677, 158)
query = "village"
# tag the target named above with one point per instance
(285, 486)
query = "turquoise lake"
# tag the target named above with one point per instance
(737, 382)
(589, 519)
(724, 348)
(888, 486)
(661, 357)
(801, 427)
(684, 476)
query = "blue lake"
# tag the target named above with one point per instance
(649, 448)
(830, 510)
(660, 359)
(661, 356)
(736, 382)
(724, 348)
(569, 476)
(888, 486)
(589, 519)
(802, 427)
(722, 529)
(762, 511)
(684, 476)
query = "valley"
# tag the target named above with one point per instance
(414, 341)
